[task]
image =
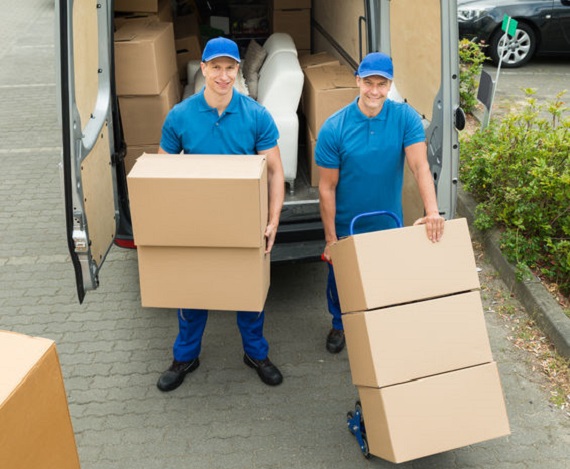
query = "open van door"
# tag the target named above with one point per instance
(424, 49)
(84, 38)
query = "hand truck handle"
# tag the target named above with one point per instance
(370, 214)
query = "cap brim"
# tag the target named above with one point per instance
(215, 56)
(370, 73)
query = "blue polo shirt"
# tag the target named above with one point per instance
(244, 128)
(369, 154)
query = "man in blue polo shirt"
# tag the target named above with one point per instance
(361, 150)
(220, 120)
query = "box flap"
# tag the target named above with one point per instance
(18, 355)
(330, 77)
(317, 60)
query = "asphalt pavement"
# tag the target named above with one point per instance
(112, 350)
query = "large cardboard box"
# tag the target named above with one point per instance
(313, 168)
(134, 151)
(35, 425)
(397, 344)
(326, 90)
(434, 414)
(231, 279)
(145, 57)
(199, 200)
(296, 23)
(142, 116)
(385, 268)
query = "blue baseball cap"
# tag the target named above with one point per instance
(220, 47)
(376, 63)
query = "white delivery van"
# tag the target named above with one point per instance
(420, 36)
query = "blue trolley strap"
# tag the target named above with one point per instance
(372, 214)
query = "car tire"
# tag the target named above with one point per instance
(520, 50)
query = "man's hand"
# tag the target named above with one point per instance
(326, 255)
(434, 226)
(270, 233)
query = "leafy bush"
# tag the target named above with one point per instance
(519, 172)
(471, 59)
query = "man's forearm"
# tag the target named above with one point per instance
(328, 213)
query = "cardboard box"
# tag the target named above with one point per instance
(199, 200)
(326, 90)
(317, 60)
(187, 36)
(313, 168)
(393, 345)
(34, 416)
(138, 5)
(142, 116)
(434, 414)
(290, 4)
(385, 268)
(134, 151)
(296, 23)
(145, 57)
(229, 279)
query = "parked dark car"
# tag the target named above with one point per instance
(543, 28)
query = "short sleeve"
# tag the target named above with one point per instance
(170, 142)
(327, 153)
(267, 134)
(414, 130)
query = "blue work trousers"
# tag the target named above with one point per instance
(332, 300)
(191, 325)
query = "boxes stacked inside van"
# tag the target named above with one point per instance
(146, 72)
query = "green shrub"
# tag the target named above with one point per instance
(519, 172)
(471, 59)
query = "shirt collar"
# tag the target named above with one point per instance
(362, 117)
(205, 107)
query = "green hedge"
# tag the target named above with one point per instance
(518, 170)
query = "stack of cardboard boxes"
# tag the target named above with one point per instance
(292, 17)
(34, 416)
(328, 87)
(417, 341)
(188, 43)
(199, 223)
(126, 10)
(146, 77)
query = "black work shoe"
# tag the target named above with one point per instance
(266, 370)
(173, 377)
(335, 341)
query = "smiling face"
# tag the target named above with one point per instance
(220, 75)
(373, 92)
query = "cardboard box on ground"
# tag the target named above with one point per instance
(199, 223)
(417, 341)
(34, 415)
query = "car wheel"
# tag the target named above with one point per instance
(516, 51)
